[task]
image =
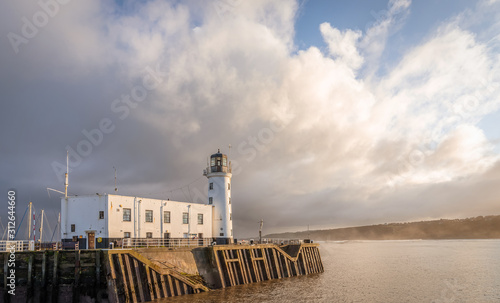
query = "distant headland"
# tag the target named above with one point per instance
(482, 227)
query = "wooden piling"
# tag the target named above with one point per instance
(128, 273)
(55, 281)
(124, 278)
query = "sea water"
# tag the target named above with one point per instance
(440, 271)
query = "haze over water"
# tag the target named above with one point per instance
(384, 271)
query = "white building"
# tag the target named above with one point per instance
(96, 220)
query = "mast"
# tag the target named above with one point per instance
(41, 229)
(29, 222)
(59, 226)
(66, 176)
(116, 188)
(34, 226)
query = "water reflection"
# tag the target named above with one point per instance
(383, 271)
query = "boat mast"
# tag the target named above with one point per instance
(34, 226)
(29, 222)
(66, 177)
(41, 229)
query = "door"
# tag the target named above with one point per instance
(91, 239)
(166, 236)
(200, 239)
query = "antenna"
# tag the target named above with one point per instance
(260, 230)
(229, 159)
(57, 191)
(116, 188)
(66, 176)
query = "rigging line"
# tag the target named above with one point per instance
(19, 226)
(51, 238)
(185, 185)
(55, 227)
(3, 236)
(184, 194)
(3, 228)
(47, 222)
(177, 188)
(189, 193)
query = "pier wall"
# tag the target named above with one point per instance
(142, 275)
(255, 263)
(55, 276)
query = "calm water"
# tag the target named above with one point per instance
(384, 271)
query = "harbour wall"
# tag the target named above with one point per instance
(145, 274)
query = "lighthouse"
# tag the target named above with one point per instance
(219, 175)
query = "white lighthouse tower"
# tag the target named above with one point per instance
(219, 196)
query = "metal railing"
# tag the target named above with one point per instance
(281, 241)
(30, 245)
(19, 245)
(160, 242)
(218, 169)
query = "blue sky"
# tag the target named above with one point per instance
(339, 113)
(423, 19)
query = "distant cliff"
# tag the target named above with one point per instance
(487, 227)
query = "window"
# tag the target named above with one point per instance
(200, 218)
(166, 217)
(229, 186)
(166, 235)
(212, 161)
(126, 234)
(185, 235)
(211, 185)
(126, 214)
(185, 218)
(230, 216)
(224, 161)
(73, 228)
(149, 235)
(229, 200)
(210, 200)
(149, 216)
(221, 234)
(101, 214)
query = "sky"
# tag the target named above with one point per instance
(338, 113)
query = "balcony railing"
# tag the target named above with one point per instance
(218, 169)
(160, 242)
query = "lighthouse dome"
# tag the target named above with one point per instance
(218, 162)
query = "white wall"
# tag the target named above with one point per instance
(138, 227)
(83, 211)
(222, 221)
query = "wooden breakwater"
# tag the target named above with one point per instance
(142, 275)
(135, 278)
(254, 263)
